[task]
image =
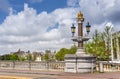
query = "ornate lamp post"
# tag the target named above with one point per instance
(80, 39)
(80, 62)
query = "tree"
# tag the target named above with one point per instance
(6, 57)
(1, 58)
(63, 51)
(73, 49)
(22, 58)
(97, 46)
(29, 57)
(47, 56)
(107, 33)
(14, 57)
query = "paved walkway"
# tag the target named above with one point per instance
(26, 74)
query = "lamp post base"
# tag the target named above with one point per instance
(80, 62)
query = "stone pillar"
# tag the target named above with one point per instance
(114, 49)
(101, 69)
(80, 20)
(117, 48)
(117, 45)
(112, 41)
(80, 34)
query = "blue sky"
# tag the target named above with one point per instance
(39, 5)
(37, 25)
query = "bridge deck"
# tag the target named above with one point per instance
(26, 74)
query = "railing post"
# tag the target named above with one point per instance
(92, 68)
(47, 65)
(13, 64)
(76, 64)
(101, 69)
(29, 65)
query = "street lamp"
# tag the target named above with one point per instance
(80, 38)
(83, 62)
(73, 30)
(88, 26)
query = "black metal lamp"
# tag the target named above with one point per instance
(88, 26)
(73, 30)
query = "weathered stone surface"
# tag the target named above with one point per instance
(79, 62)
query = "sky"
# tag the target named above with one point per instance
(39, 25)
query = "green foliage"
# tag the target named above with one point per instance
(14, 57)
(6, 57)
(107, 33)
(9, 57)
(22, 58)
(98, 50)
(47, 56)
(34, 57)
(63, 51)
(42, 57)
(72, 50)
(29, 57)
(98, 46)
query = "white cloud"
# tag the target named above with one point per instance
(99, 11)
(73, 3)
(31, 31)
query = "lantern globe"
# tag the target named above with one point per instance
(88, 26)
(73, 29)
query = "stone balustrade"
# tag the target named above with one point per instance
(30, 65)
(101, 66)
(107, 66)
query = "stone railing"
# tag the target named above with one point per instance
(101, 66)
(107, 66)
(30, 65)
